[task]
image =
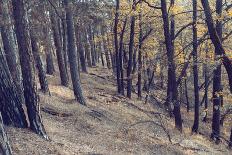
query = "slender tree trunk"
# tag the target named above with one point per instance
(105, 47)
(72, 54)
(186, 94)
(121, 57)
(10, 47)
(172, 90)
(25, 53)
(80, 48)
(49, 55)
(5, 148)
(116, 46)
(217, 82)
(140, 57)
(87, 47)
(39, 65)
(59, 50)
(64, 41)
(91, 41)
(195, 69)
(131, 49)
(206, 86)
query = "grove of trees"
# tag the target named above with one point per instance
(182, 48)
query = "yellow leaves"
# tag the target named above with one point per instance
(175, 9)
(229, 13)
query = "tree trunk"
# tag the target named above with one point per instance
(206, 86)
(116, 64)
(39, 65)
(186, 94)
(105, 47)
(80, 48)
(26, 59)
(172, 90)
(214, 36)
(11, 105)
(140, 67)
(121, 68)
(49, 55)
(72, 55)
(131, 49)
(87, 47)
(91, 41)
(5, 148)
(195, 69)
(59, 50)
(10, 48)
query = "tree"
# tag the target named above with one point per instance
(10, 47)
(11, 105)
(195, 69)
(39, 65)
(116, 19)
(59, 50)
(131, 50)
(26, 60)
(72, 54)
(172, 92)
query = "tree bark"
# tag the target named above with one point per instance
(131, 49)
(80, 48)
(39, 65)
(5, 148)
(217, 41)
(11, 105)
(195, 69)
(172, 90)
(25, 53)
(10, 48)
(72, 55)
(59, 50)
(116, 64)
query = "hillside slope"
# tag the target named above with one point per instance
(110, 124)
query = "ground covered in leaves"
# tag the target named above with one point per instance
(110, 124)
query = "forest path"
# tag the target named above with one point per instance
(110, 124)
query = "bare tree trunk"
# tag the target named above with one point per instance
(105, 47)
(39, 65)
(91, 41)
(59, 50)
(26, 59)
(195, 69)
(72, 55)
(80, 48)
(10, 48)
(11, 105)
(116, 46)
(172, 90)
(131, 49)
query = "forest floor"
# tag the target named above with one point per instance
(109, 124)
